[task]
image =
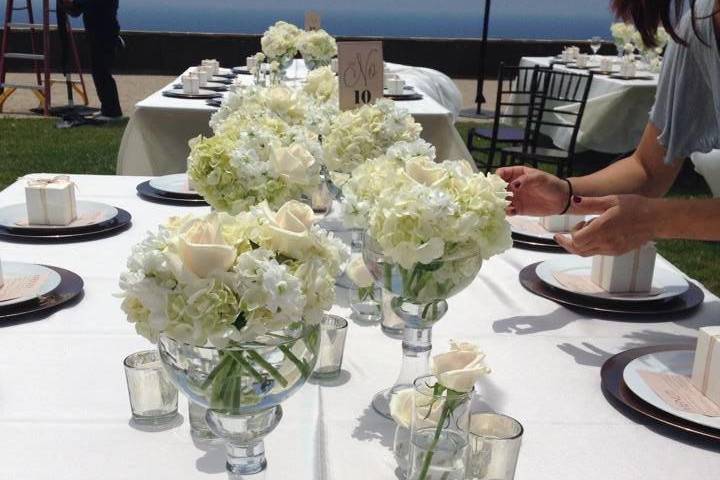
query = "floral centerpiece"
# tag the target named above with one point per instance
(317, 48)
(365, 133)
(622, 33)
(279, 42)
(428, 234)
(234, 304)
(265, 147)
(435, 409)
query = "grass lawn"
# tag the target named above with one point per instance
(35, 145)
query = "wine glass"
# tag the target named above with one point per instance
(595, 44)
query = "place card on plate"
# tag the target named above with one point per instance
(706, 367)
(360, 73)
(20, 287)
(680, 393)
(629, 273)
(312, 20)
(51, 201)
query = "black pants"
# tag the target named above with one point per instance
(103, 50)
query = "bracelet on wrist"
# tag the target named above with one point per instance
(570, 196)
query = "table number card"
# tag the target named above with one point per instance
(360, 72)
(312, 20)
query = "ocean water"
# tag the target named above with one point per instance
(531, 19)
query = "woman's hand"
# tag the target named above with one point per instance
(534, 192)
(626, 222)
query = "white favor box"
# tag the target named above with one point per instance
(628, 68)
(203, 74)
(212, 65)
(629, 273)
(706, 368)
(190, 84)
(51, 201)
(396, 86)
(561, 223)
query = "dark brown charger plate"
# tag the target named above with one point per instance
(212, 88)
(637, 77)
(669, 309)
(151, 194)
(613, 384)
(404, 97)
(190, 96)
(241, 71)
(120, 223)
(71, 286)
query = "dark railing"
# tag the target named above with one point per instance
(168, 53)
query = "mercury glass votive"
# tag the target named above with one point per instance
(494, 441)
(333, 330)
(153, 398)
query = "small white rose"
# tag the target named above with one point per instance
(279, 99)
(459, 368)
(293, 163)
(401, 407)
(289, 228)
(359, 273)
(203, 249)
(425, 171)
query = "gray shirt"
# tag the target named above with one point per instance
(687, 105)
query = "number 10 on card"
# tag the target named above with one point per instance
(360, 72)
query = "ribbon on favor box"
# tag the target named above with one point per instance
(43, 184)
(714, 340)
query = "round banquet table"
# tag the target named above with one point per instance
(64, 408)
(155, 141)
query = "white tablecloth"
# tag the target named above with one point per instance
(155, 139)
(64, 409)
(615, 115)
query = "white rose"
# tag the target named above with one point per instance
(203, 249)
(293, 163)
(401, 406)
(289, 228)
(460, 368)
(359, 273)
(279, 99)
(425, 171)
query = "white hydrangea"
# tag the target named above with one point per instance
(317, 46)
(219, 279)
(279, 42)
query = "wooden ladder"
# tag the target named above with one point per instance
(41, 61)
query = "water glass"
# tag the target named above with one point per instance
(333, 330)
(366, 304)
(595, 44)
(153, 398)
(199, 428)
(439, 432)
(494, 447)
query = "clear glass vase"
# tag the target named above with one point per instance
(438, 432)
(401, 449)
(421, 293)
(242, 386)
(313, 63)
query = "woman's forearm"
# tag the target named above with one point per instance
(642, 173)
(691, 219)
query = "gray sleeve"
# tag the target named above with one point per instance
(681, 112)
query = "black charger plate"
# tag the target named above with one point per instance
(71, 286)
(641, 311)
(404, 97)
(212, 88)
(190, 96)
(151, 194)
(620, 394)
(120, 223)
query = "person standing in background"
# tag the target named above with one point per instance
(103, 33)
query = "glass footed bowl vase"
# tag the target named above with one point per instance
(421, 293)
(242, 386)
(313, 63)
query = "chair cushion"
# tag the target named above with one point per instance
(551, 153)
(505, 134)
